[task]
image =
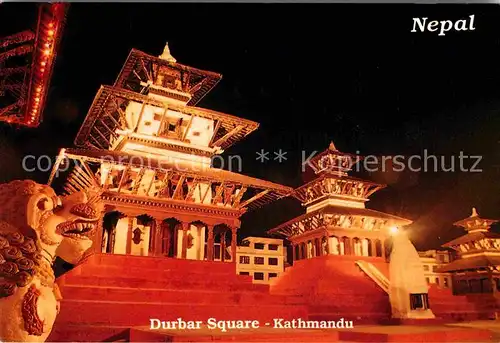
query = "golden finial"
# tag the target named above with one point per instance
(474, 212)
(332, 146)
(166, 54)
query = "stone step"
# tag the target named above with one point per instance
(179, 296)
(63, 332)
(151, 262)
(107, 271)
(139, 313)
(185, 283)
(270, 335)
(357, 318)
(351, 307)
(87, 333)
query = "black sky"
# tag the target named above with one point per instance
(309, 74)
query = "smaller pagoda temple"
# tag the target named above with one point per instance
(336, 221)
(477, 268)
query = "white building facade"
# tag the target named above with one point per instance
(261, 258)
(432, 260)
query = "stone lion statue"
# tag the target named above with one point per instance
(34, 224)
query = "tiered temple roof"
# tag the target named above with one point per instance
(147, 146)
(478, 249)
(336, 200)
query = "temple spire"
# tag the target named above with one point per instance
(474, 212)
(166, 55)
(332, 147)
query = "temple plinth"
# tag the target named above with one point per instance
(476, 270)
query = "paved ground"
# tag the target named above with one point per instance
(493, 326)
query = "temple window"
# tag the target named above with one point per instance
(437, 281)
(272, 275)
(378, 248)
(434, 269)
(244, 273)
(273, 247)
(426, 268)
(245, 259)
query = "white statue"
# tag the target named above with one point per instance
(408, 290)
(34, 222)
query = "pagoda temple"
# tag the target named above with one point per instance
(477, 268)
(336, 221)
(147, 146)
(339, 246)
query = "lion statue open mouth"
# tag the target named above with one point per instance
(35, 226)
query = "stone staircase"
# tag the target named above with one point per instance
(109, 294)
(462, 307)
(334, 287)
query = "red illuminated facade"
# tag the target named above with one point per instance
(26, 64)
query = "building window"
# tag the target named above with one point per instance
(244, 259)
(258, 276)
(434, 269)
(419, 301)
(437, 281)
(426, 268)
(258, 260)
(273, 246)
(441, 258)
(273, 261)
(446, 282)
(428, 281)
(244, 273)
(272, 275)
(259, 246)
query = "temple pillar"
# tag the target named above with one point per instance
(373, 247)
(493, 283)
(223, 246)
(158, 237)
(294, 252)
(128, 248)
(319, 248)
(234, 239)
(152, 238)
(210, 243)
(327, 237)
(98, 241)
(382, 242)
(185, 228)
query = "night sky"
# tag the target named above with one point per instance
(308, 74)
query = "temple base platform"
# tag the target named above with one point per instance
(108, 291)
(363, 333)
(334, 286)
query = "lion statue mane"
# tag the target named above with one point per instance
(34, 224)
